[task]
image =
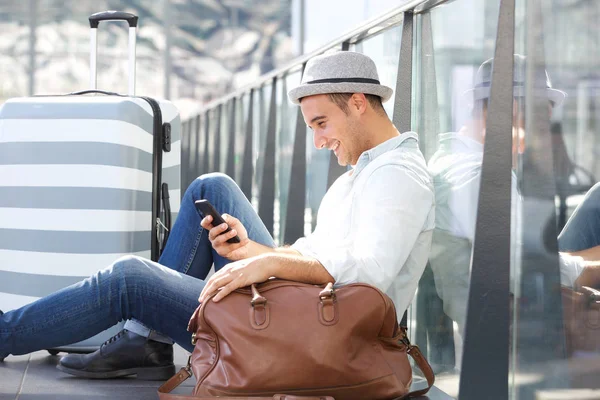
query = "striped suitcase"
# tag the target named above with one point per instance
(83, 180)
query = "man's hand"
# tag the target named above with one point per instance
(231, 251)
(237, 275)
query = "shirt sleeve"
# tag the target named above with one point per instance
(570, 269)
(388, 216)
(463, 203)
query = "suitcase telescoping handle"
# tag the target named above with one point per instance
(112, 16)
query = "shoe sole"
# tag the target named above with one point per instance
(147, 374)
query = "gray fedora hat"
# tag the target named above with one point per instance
(341, 72)
(483, 82)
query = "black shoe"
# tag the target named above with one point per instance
(124, 354)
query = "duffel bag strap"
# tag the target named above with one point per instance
(424, 366)
(186, 372)
(420, 360)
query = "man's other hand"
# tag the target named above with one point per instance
(218, 239)
(237, 275)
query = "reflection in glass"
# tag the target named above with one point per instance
(556, 192)
(451, 45)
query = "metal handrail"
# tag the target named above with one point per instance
(369, 28)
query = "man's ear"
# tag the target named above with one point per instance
(358, 103)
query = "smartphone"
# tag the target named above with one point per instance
(205, 208)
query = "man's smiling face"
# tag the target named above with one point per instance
(333, 128)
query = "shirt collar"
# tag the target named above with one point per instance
(390, 144)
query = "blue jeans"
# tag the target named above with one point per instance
(161, 295)
(582, 230)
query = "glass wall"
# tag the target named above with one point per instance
(556, 341)
(350, 14)
(452, 42)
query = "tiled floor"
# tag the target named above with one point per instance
(35, 377)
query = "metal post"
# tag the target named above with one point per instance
(33, 4)
(186, 154)
(230, 163)
(403, 101)
(217, 139)
(196, 133)
(484, 373)
(266, 200)
(248, 166)
(168, 64)
(294, 220)
(429, 124)
(206, 159)
(193, 155)
(302, 25)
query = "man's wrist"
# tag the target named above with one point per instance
(270, 264)
(256, 249)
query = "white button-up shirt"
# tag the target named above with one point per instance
(375, 223)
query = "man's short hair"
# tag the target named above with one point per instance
(341, 100)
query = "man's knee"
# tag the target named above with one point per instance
(214, 182)
(129, 267)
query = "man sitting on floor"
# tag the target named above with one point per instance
(374, 226)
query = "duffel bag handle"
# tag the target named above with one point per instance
(260, 313)
(257, 298)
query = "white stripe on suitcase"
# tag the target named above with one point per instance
(97, 131)
(172, 158)
(75, 176)
(175, 200)
(69, 130)
(62, 264)
(75, 220)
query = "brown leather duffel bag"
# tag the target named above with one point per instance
(302, 340)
